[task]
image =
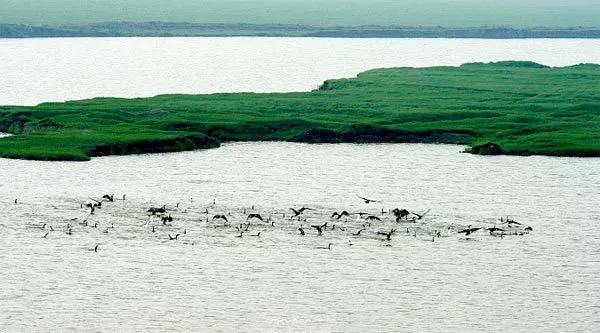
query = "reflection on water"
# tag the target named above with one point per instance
(210, 280)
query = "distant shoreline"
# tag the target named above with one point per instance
(166, 29)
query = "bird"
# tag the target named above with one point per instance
(328, 247)
(373, 217)
(494, 229)
(46, 235)
(358, 232)
(165, 219)
(420, 216)
(173, 238)
(240, 235)
(367, 201)
(388, 235)
(468, 231)
(302, 233)
(299, 211)
(338, 216)
(96, 247)
(253, 215)
(110, 198)
(400, 213)
(257, 235)
(16, 201)
(528, 229)
(220, 216)
(319, 228)
(154, 210)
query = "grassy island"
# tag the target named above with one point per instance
(510, 107)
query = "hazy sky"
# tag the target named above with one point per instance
(312, 12)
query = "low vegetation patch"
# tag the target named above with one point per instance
(510, 107)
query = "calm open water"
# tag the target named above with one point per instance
(210, 280)
(138, 280)
(58, 69)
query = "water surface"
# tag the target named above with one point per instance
(59, 69)
(139, 280)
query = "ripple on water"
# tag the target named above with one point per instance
(280, 281)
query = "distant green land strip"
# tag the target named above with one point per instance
(508, 107)
(161, 29)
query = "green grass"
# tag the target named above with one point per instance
(523, 107)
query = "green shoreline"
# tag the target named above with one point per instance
(174, 29)
(512, 107)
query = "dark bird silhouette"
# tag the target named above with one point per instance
(528, 229)
(173, 238)
(299, 211)
(240, 235)
(110, 198)
(358, 232)
(153, 229)
(154, 210)
(165, 219)
(420, 216)
(257, 235)
(328, 247)
(388, 235)
(494, 229)
(367, 201)
(373, 217)
(302, 233)
(400, 213)
(468, 231)
(96, 247)
(220, 216)
(338, 216)
(257, 216)
(319, 228)
(16, 201)
(46, 235)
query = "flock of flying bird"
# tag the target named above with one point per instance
(381, 226)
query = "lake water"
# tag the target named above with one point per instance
(210, 280)
(58, 69)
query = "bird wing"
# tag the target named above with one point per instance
(365, 199)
